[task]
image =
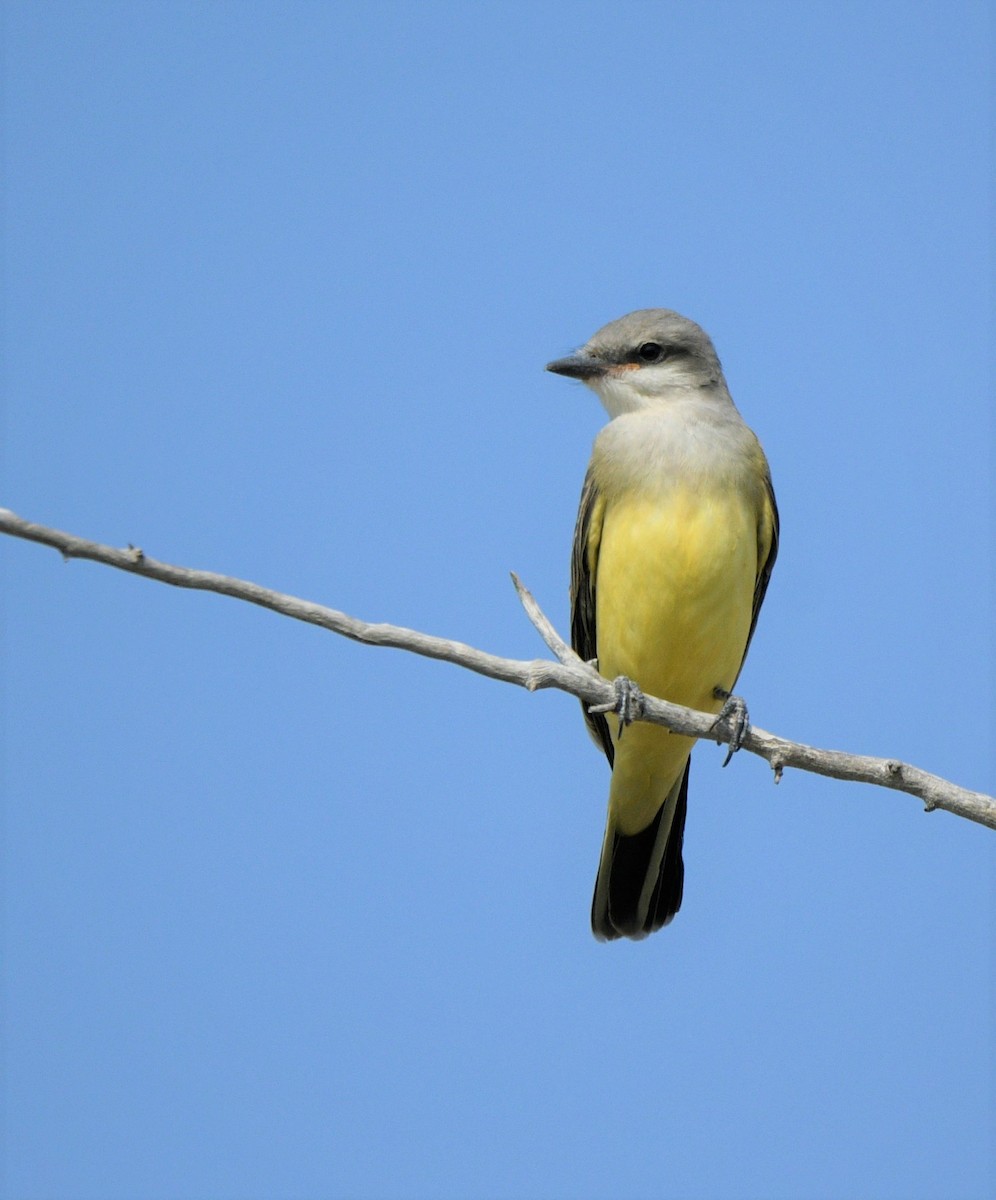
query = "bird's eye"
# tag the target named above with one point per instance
(650, 352)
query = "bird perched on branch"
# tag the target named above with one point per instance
(676, 536)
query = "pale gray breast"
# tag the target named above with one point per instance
(684, 441)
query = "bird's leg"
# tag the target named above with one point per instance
(628, 703)
(734, 711)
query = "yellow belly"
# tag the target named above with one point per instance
(674, 595)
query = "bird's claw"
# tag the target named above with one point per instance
(734, 713)
(628, 703)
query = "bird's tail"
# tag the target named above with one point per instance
(640, 876)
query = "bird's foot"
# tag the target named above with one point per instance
(734, 714)
(628, 704)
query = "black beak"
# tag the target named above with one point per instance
(577, 366)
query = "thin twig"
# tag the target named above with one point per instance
(543, 624)
(570, 674)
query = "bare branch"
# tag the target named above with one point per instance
(569, 674)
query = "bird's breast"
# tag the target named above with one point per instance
(674, 590)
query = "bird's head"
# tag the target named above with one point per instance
(644, 359)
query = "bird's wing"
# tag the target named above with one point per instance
(584, 570)
(767, 552)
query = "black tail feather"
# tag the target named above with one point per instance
(628, 902)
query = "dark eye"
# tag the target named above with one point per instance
(650, 352)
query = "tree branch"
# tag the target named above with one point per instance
(568, 674)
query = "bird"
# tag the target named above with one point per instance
(675, 540)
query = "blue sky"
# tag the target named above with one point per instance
(287, 917)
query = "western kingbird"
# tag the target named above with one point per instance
(675, 540)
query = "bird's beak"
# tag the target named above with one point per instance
(578, 366)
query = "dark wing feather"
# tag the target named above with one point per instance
(764, 567)
(584, 566)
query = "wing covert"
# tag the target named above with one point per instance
(584, 571)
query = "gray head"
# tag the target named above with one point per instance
(648, 357)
